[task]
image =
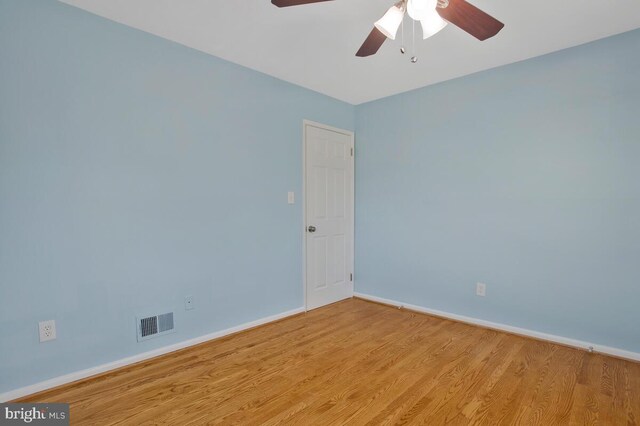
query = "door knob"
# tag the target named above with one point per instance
(311, 228)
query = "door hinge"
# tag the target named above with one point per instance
(350, 277)
(352, 152)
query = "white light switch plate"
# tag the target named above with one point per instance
(481, 289)
(291, 198)
(47, 330)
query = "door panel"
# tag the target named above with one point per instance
(329, 208)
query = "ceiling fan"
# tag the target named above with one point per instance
(432, 14)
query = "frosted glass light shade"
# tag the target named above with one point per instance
(420, 9)
(432, 24)
(389, 23)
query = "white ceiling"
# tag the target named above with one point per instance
(314, 45)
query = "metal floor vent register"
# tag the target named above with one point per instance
(155, 326)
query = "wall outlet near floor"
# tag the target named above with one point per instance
(481, 289)
(47, 330)
(188, 303)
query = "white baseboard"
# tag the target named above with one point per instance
(82, 374)
(620, 353)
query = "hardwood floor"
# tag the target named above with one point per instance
(357, 362)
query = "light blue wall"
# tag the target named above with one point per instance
(526, 178)
(135, 171)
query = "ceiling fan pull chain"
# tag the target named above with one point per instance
(402, 36)
(414, 58)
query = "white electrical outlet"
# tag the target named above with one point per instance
(47, 330)
(291, 198)
(481, 289)
(188, 303)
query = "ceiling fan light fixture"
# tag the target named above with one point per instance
(389, 23)
(432, 24)
(420, 9)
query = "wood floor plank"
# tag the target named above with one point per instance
(586, 406)
(361, 363)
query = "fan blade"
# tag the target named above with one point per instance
(471, 19)
(372, 43)
(287, 3)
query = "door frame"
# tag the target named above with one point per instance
(351, 135)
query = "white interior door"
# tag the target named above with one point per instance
(329, 203)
